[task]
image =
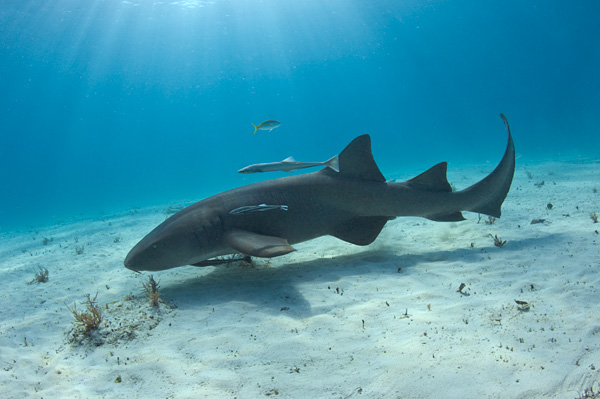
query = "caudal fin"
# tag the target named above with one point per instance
(488, 195)
(255, 127)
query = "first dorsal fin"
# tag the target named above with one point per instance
(289, 159)
(356, 161)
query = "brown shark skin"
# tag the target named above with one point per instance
(352, 205)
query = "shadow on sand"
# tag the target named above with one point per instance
(274, 288)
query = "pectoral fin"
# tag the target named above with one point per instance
(255, 244)
(360, 230)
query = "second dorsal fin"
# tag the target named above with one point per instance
(433, 179)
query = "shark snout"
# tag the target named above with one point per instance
(141, 257)
(130, 262)
(154, 253)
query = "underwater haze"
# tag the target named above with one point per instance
(110, 105)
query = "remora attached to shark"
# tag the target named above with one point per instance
(353, 205)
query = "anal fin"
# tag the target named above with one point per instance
(258, 245)
(360, 230)
(447, 217)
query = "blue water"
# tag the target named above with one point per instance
(108, 105)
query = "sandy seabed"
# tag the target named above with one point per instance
(331, 320)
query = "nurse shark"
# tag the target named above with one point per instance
(353, 205)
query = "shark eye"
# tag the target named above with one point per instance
(154, 246)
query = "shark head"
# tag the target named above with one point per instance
(175, 242)
(163, 248)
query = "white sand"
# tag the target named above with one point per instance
(331, 320)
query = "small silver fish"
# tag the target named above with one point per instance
(289, 165)
(257, 208)
(266, 125)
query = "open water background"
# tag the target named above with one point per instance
(108, 105)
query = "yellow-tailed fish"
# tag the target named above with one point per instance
(266, 125)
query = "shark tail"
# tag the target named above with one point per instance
(488, 195)
(334, 163)
(255, 127)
